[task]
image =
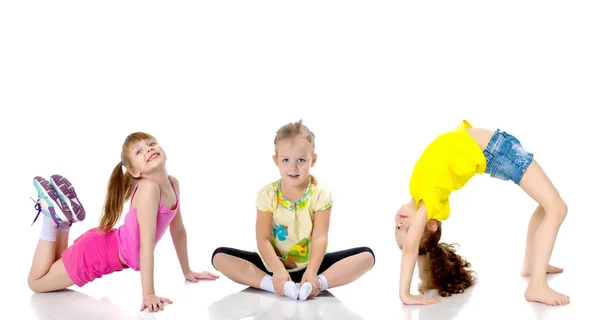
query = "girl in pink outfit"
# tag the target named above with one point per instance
(154, 207)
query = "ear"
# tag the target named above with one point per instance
(432, 225)
(134, 173)
(314, 159)
(275, 160)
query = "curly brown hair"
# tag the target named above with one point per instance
(444, 270)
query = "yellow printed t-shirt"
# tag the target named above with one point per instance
(447, 164)
(293, 221)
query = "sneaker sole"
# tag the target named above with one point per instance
(52, 199)
(66, 192)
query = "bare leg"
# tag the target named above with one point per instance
(537, 185)
(62, 243)
(238, 270)
(534, 223)
(46, 274)
(348, 269)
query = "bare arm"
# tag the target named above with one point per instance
(264, 225)
(179, 235)
(410, 251)
(147, 199)
(319, 240)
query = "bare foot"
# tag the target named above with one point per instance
(551, 269)
(546, 295)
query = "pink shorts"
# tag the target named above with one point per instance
(91, 256)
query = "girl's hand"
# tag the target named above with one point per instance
(312, 278)
(195, 276)
(280, 276)
(154, 303)
(419, 299)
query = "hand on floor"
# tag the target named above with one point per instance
(195, 276)
(154, 303)
(419, 299)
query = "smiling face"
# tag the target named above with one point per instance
(145, 157)
(294, 158)
(404, 218)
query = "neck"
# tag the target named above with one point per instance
(160, 177)
(293, 193)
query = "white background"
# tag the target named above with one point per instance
(375, 81)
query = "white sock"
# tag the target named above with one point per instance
(48, 230)
(306, 289)
(289, 288)
(64, 227)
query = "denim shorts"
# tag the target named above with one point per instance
(506, 158)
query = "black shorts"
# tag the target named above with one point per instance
(328, 260)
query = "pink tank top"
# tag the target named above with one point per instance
(128, 234)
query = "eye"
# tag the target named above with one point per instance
(138, 152)
(284, 160)
(301, 160)
(152, 143)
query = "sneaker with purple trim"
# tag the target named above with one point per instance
(49, 202)
(66, 192)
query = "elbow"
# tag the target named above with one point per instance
(178, 232)
(410, 248)
(260, 240)
(322, 238)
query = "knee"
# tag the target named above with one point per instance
(368, 254)
(33, 285)
(559, 210)
(562, 210)
(218, 257)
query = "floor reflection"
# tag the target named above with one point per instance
(257, 304)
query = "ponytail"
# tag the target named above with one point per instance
(120, 187)
(448, 271)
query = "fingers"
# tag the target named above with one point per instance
(202, 276)
(279, 287)
(207, 275)
(315, 289)
(155, 306)
(430, 300)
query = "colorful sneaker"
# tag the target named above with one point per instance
(49, 203)
(66, 192)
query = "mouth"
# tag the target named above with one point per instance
(403, 216)
(293, 176)
(153, 156)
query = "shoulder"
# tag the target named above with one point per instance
(266, 197)
(322, 196)
(175, 182)
(148, 189)
(318, 187)
(147, 194)
(269, 189)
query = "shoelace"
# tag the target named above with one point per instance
(37, 207)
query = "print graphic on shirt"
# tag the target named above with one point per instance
(299, 252)
(298, 205)
(280, 231)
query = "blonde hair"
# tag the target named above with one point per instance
(120, 185)
(293, 130)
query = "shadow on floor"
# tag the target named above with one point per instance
(252, 303)
(69, 304)
(448, 308)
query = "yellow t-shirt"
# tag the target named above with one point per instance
(447, 164)
(293, 221)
